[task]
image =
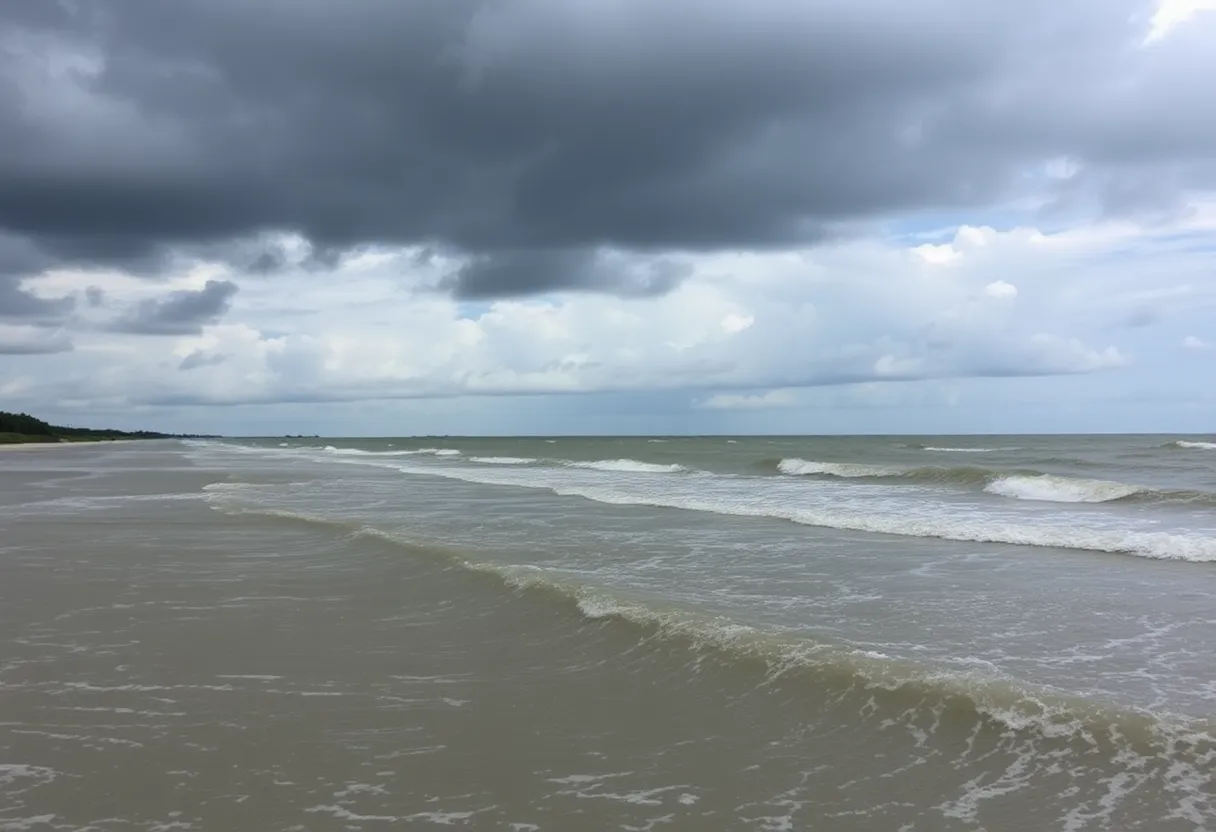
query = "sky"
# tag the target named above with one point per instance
(398, 217)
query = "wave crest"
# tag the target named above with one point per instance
(790, 657)
(963, 450)
(628, 466)
(806, 467)
(1053, 489)
(1015, 484)
(1156, 545)
(330, 449)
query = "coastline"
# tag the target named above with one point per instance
(46, 446)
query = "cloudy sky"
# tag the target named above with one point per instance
(609, 216)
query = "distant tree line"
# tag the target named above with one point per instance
(22, 427)
(25, 424)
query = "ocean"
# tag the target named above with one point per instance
(709, 633)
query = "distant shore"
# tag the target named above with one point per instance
(46, 446)
(21, 430)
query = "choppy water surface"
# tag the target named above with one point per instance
(735, 633)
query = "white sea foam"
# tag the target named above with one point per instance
(503, 460)
(1048, 488)
(22, 824)
(888, 515)
(1199, 446)
(11, 773)
(440, 818)
(342, 813)
(360, 452)
(807, 467)
(254, 677)
(628, 466)
(843, 510)
(1158, 545)
(965, 450)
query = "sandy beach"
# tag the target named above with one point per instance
(48, 446)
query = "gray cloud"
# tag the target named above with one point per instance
(529, 272)
(16, 304)
(31, 340)
(180, 313)
(530, 135)
(267, 262)
(20, 259)
(201, 358)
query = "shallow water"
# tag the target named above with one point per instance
(845, 633)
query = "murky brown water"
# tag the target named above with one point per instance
(164, 665)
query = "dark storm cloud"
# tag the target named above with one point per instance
(180, 313)
(522, 273)
(16, 304)
(267, 262)
(20, 259)
(530, 134)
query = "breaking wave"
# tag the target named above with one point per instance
(1048, 488)
(503, 460)
(806, 467)
(709, 496)
(968, 528)
(963, 450)
(1199, 446)
(1019, 485)
(853, 509)
(359, 452)
(627, 466)
(995, 701)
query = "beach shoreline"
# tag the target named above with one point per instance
(44, 446)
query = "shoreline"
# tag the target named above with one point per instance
(46, 446)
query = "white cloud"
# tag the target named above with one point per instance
(749, 401)
(737, 323)
(1001, 290)
(1192, 342)
(1062, 355)
(745, 332)
(937, 255)
(890, 366)
(1062, 168)
(1173, 13)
